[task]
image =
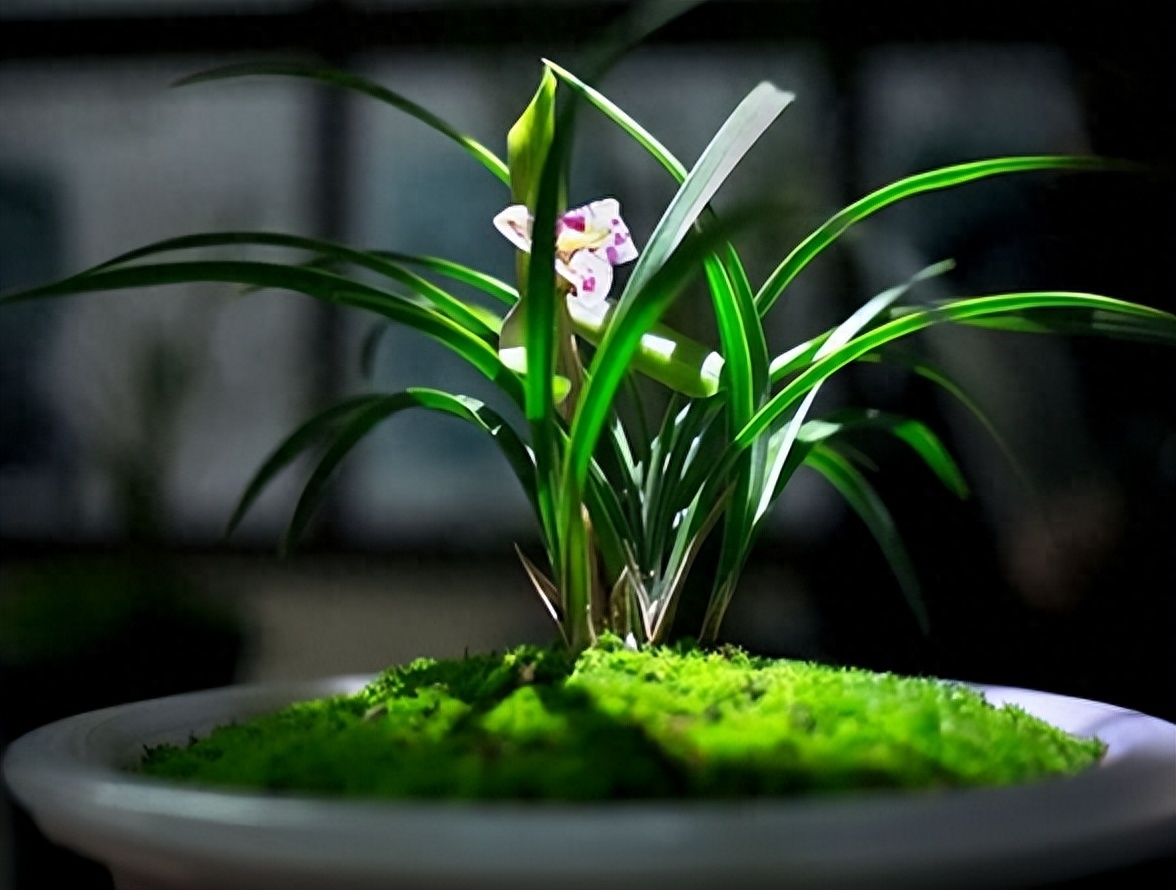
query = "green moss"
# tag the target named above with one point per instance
(679, 722)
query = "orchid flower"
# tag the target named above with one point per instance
(589, 241)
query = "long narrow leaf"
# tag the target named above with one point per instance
(937, 375)
(487, 284)
(316, 283)
(932, 180)
(325, 251)
(920, 437)
(613, 528)
(1080, 321)
(645, 304)
(745, 354)
(614, 113)
(797, 358)
(738, 134)
(680, 464)
(665, 157)
(694, 372)
(610, 363)
(348, 80)
(541, 330)
(594, 409)
(860, 495)
(969, 310)
(390, 265)
(354, 426)
(298, 442)
(692, 534)
(858, 321)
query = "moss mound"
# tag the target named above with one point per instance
(534, 724)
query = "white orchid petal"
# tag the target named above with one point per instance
(603, 210)
(515, 224)
(621, 249)
(607, 215)
(566, 272)
(590, 315)
(591, 276)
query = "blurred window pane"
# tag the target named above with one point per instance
(162, 401)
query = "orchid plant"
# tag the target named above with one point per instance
(624, 506)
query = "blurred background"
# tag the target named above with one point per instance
(130, 423)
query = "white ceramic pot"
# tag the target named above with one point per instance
(159, 836)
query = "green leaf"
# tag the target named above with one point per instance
(930, 371)
(941, 178)
(487, 284)
(595, 404)
(294, 445)
(529, 144)
(642, 436)
(827, 344)
(610, 364)
(1081, 321)
(614, 113)
(817, 369)
(681, 463)
(529, 141)
(317, 283)
(390, 265)
(745, 351)
(353, 426)
(348, 80)
(803, 354)
(1139, 318)
(745, 354)
(738, 134)
(692, 533)
(798, 357)
(540, 330)
(371, 344)
(327, 252)
(613, 528)
(681, 363)
(915, 433)
(773, 460)
(665, 355)
(860, 495)
(641, 304)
